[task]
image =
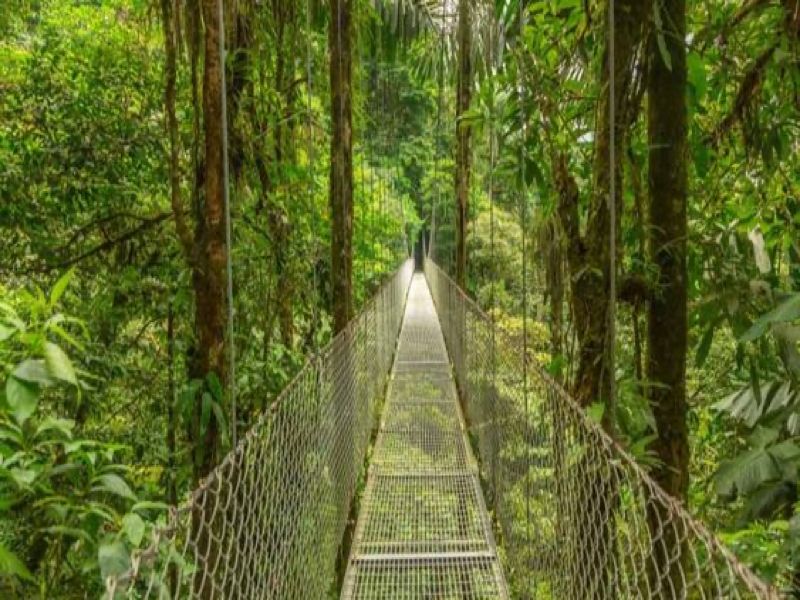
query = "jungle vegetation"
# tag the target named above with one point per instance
(359, 131)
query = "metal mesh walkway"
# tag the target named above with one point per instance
(423, 530)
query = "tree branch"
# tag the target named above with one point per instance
(146, 224)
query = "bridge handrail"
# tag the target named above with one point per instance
(269, 520)
(543, 456)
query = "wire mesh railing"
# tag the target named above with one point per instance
(576, 516)
(268, 522)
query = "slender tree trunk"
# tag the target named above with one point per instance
(341, 177)
(284, 15)
(209, 274)
(667, 311)
(168, 16)
(588, 255)
(463, 137)
(209, 282)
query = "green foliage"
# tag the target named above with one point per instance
(66, 507)
(84, 185)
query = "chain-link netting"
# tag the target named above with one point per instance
(268, 522)
(577, 516)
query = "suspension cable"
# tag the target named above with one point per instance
(228, 224)
(437, 139)
(524, 225)
(493, 274)
(611, 330)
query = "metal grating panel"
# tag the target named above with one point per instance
(423, 514)
(416, 416)
(467, 578)
(415, 386)
(427, 449)
(423, 531)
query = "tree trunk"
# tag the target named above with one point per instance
(284, 15)
(341, 177)
(588, 255)
(209, 282)
(463, 135)
(209, 275)
(168, 16)
(667, 311)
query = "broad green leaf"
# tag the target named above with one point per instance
(11, 565)
(786, 451)
(704, 346)
(763, 501)
(222, 424)
(133, 526)
(214, 386)
(762, 437)
(660, 39)
(741, 405)
(60, 287)
(58, 363)
(33, 370)
(788, 310)
(66, 336)
(64, 426)
(114, 484)
(113, 559)
(6, 331)
(697, 74)
(22, 398)
(23, 477)
(746, 473)
(149, 505)
(205, 412)
(73, 532)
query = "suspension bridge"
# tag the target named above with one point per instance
(484, 480)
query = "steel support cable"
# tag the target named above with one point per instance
(394, 153)
(228, 225)
(493, 273)
(436, 200)
(611, 327)
(524, 227)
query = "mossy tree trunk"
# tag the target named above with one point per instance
(341, 176)
(667, 311)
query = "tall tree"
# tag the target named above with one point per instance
(588, 252)
(463, 136)
(341, 176)
(284, 16)
(204, 248)
(209, 276)
(667, 310)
